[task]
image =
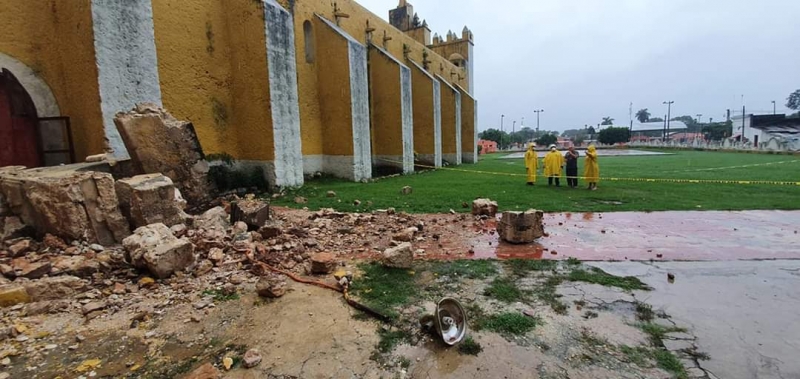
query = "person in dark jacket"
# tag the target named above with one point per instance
(571, 157)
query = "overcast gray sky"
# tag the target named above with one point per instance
(581, 60)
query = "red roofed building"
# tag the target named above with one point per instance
(487, 146)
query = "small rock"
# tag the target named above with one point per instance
(238, 228)
(80, 338)
(356, 202)
(206, 371)
(216, 255)
(484, 207)
(96, 247)
(73, 347)
(330, 194)
(671, 277)
(271, 286)
(323, 263)
(147, 282)
(196, 318)
(300, 200)
(150, 334)
(203, 267)
(50, 346)
(227, 362)
(93, 306)
(252, 358)
(6, 361)
(119, 289)
(401, 256)
(237, 279)
(407, 235)
(407, 190)
(20, 248)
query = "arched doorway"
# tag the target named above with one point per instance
(26, 139)
(19, 139)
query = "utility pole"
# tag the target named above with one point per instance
(502, 116)
(744, 115)
(537, 121)
(513, 130)
(773, 107)
(664, 132)
(669, 113)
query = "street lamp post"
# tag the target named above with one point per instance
(537, 120)
(502, 116)
(669, 114)
(773, 107)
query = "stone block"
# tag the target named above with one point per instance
(150, 199)
(54, 288)
(271, 286)
(159, 143)
(254, 213)
(66, 202)
(521, 227)
(401, 256)
(12, 295)
(484, 207)
(155, 248)
(323, 263)
(11, 227)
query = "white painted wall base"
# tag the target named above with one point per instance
(437, 122)
(279, 28)
(127, 67)
(458, 127)
(429, 160)
(452, 159)
(392, 161)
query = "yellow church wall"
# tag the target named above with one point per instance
(468, 134)
(448, 121)
(55, 40)
(385, 109)
(333, 86)
(194, 63)
(252, 114)
(311, 121)
(422, 86)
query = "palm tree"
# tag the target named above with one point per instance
(643, 115)
(607, 121)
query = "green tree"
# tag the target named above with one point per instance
(607, 121)
(494, 135)
(591, 132)
(656, 119)
(547, 140)
(793, 101)
(643, 115)
(612, 135)
(718, 130)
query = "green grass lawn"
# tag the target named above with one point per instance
(442, 190)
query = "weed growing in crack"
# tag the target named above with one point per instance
(595, 275)
(591, 339)
(521, 267)
(510, 323)
(384, 289)
(669, 362)
(546, 292)
(476, 316)
(505, 290)
(657, 332)
(220, 295)
(644, 312)
(638, 355)
(472, 269)
(469, 347)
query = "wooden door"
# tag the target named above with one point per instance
(19, 138)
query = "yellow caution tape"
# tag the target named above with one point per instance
(650, 180)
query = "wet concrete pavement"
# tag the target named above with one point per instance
(743, 313)
(699, 235)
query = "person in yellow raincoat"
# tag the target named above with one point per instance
(531, 164)
(591, 169)
(553, 164)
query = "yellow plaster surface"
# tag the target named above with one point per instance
(422, 99)
(385, 107)
(333, 81)
(448, 120)
(55, 39)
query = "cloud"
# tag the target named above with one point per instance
(582, 60)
